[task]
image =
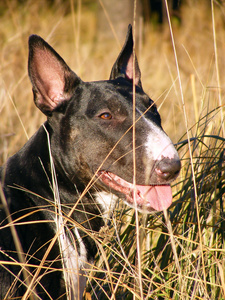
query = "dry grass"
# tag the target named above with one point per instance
(190, 101)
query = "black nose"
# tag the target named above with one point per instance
(168, 169)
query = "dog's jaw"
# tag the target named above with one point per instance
(147, 198)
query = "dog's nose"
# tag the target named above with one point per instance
(167, 169)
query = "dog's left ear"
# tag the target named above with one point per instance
(123, 67)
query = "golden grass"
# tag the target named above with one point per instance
(192, 86)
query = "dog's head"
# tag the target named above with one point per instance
(107, 131)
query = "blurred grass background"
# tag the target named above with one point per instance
(188, 264)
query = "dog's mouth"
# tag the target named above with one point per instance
(149, 198)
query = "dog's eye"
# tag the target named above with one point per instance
(106, 116)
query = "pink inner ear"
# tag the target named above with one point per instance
(48, 76)
(130, 71)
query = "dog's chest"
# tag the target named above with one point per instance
(74, 252)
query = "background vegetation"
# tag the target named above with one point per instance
(179, 255)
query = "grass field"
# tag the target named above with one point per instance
(182, 253)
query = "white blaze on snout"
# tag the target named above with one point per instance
(159, 145)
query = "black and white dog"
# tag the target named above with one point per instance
(59, 188)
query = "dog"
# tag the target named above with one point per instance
(64, 182)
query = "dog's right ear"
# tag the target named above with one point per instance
(123, 67)
(52, 80)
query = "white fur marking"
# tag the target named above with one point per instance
(74, 266)
(158, 144)
(107, 201)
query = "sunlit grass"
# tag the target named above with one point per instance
(187, 262)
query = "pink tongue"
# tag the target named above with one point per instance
(158, 197)
(148, 197)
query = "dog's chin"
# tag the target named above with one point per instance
(146, 198)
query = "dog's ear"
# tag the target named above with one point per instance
(53, 81)
(123, 66)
